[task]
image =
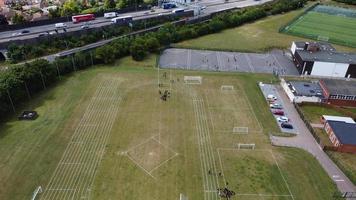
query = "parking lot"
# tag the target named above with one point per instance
(268, 89)
(272, 62)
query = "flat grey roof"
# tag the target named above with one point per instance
(328, 56)
(324, 46)
(306, 88)
(345, 132)
(342, 87)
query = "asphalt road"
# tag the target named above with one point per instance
(211, 7)
(306, 141)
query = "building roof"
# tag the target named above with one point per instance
(305, 88)
(345, 132)
(324, 46)
(327, 56)
(339, 119)
(341, 87)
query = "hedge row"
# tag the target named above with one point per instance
(21, 82)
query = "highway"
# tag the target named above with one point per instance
(210, 6)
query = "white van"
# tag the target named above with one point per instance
(60, 25)
(110, 15)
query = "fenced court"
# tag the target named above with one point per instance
(325, 23)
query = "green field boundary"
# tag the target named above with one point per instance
(282, 29)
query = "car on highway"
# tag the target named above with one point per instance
(275, 106)
(43, 34)
(110, 15)
(286, 125)
(278, 112)
(85, 26)
(282, 119)
(21, 33)
(60, 25)
(179, 10)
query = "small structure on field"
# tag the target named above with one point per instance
(28, 115)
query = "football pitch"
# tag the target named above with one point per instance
(106, 134)
(326, 23)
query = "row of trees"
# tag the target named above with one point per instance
(53, 44)
(21, 82)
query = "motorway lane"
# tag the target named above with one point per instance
(100, 21)
(211, 7)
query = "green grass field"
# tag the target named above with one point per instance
(259, 36)
(338, 29)
(103, 133)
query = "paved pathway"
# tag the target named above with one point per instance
(306, 141)
(317, 125)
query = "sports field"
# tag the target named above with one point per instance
(104, 133)
(333, 24)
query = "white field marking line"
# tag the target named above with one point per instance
(250, 106)
(202, 162)
(87, 111)
(218, 59)
(89, 148)
(82, 153)
(270, 151)
(206, 155)
(164, 162)
(280, 171)
(249, 62)
(101, 149)
(98, 122)
(211, 115)
(142, 143)
(275, 59)
(221, 166)
(189, 59)
(136, 163)
(165, 146)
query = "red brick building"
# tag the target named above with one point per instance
(339, 92)
(342, 135)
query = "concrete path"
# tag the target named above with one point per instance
(306, 141)
(317, 125)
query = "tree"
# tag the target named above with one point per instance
(122, 4)
(148, 1)
(18, 19)
(109, 4)
(70, 7)
(138, 49)
(3, 20)
(54, 12)
(105, 54)
(152, 43)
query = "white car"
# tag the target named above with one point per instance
(60, 25)
(282, 119)
(271, 97)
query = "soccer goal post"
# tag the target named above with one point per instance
(240, 130)
(227, 87)
(193, 79)
(323, 38)
(246, 146)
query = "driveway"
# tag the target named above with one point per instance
(306, 141)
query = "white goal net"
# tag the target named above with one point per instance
(240, 130)
(192, 79)
(227, 87)
(245, 146)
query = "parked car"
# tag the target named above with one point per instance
(286, 125)
(271, 97)
(24, 31)
(275, 106)
(60, 25)
(282, 119)
(278, 112)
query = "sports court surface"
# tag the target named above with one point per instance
(326, 23)
(272, 62)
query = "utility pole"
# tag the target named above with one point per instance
(12, 103)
